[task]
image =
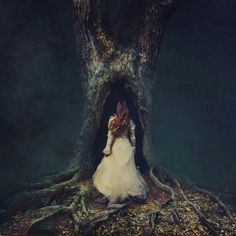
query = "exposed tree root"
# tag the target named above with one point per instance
(210, 224)
(213, 197)
(47, 213)
(78, 204)
(161, 185)
(217, 199)
(74, 212)
(47, 181)
(95, 221)
(153, 215)
(170, 191)
(26, 200)
(79, 199)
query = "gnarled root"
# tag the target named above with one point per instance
(169, 190)
(81, 226)
(47, 181)
(219, 202)
(161, 185)
(98, 220)
(210, 224)
(26, 200)
(153, 215)
(213, 197)
(77, 205)
(47, 213)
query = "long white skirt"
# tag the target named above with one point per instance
(116, 176)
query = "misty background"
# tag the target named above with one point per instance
(194, 112)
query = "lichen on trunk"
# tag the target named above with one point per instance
(117, 42)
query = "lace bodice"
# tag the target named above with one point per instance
(126, 132)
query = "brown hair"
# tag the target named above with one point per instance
(121, 117)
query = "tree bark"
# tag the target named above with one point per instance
(117, 41)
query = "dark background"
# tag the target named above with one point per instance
(194, 112)
(195, 94)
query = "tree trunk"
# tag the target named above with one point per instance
(118, 43)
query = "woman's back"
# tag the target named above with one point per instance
(116, 176)
(124, 131)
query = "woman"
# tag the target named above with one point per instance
(116, 176)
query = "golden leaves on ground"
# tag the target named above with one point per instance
(153, 217)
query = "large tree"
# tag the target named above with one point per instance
(118, 43)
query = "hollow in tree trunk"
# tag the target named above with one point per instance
(118, 43)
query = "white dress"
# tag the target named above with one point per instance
(116, 176)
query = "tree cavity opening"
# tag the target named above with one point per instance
(120, 92)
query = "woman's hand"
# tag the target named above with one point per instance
(107, 150)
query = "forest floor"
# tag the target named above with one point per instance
(158, 215)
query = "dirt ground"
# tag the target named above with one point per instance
(158, 215)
